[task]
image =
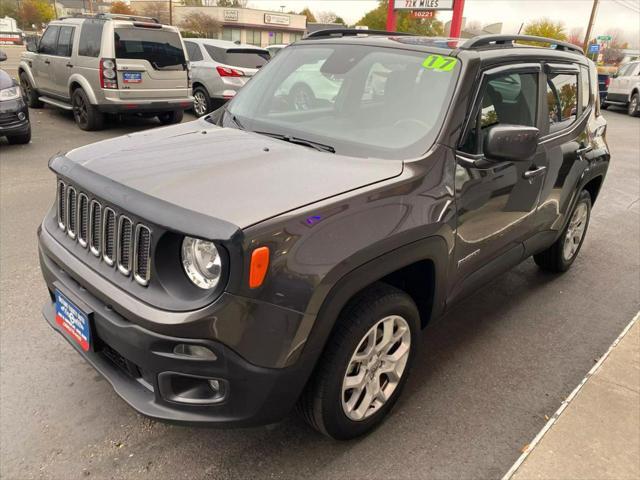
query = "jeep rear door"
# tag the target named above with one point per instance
(61, 63)
(151, 62)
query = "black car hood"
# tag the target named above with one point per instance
(233, 175)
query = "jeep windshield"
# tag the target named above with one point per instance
(161, 48)
(360, 100)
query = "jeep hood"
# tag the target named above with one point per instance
(233, 175)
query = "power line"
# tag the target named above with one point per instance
(631, 7)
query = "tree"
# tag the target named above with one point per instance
(326, 17)
(192, 3)
(9, 8)
(576, 36)
(201, 24)
(158, 10)
(376, 19)
(339, 20)
(309, 14)
(546, 28)
(121, 8)
(232, 3)
(34, 12)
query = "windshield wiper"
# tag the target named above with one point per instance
(300, 141)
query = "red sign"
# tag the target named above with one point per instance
(422, 14)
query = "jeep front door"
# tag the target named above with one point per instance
(496, 199)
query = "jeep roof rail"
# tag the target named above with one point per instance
(112, 16)
(508, 40)
(349, 32)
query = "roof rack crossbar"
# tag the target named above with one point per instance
(488, 40)
(347, 32)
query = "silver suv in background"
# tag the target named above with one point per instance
(624, 88)
(107, 63)
(220, 68)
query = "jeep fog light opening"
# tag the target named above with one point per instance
(202, 263)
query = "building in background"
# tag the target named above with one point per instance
(245, 25)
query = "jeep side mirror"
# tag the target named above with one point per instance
(32, 46)
(511, 143)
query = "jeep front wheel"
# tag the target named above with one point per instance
(361, 374)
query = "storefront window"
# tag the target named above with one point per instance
(254, 37)
(231, 34)
(294, 37)
(275, 38)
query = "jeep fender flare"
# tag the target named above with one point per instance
(333, 298)
(84, 84)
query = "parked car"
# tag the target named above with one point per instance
(105, 63)
(222, 271)
(220, 68)
(604, 79)
(14, 114)
(624, 88)
(275, 49)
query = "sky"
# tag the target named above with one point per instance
(612, 14)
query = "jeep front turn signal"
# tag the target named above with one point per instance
(259, 266)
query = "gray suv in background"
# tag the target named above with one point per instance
(106, 63)
(220, 69)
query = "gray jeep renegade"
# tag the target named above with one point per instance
(223, 271)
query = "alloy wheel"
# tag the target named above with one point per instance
(26, 88)
(376, 367)
(575, 231)
(633, 105)
(199, 103)
(80, 110)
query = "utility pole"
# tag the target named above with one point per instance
(587, 37)
(170, 12)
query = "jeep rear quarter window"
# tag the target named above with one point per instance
(90, 38)
(161, 48)
(562, 100)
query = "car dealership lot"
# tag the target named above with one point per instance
(486, 377)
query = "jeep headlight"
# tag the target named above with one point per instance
(11, 93)
(202, 263)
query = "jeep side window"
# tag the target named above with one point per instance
(65, 41)
(506, 98)
(562, 100)
(49, 41)
(90, 38)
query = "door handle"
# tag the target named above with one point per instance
(47, 62)
(70, 65)
(583, 150)
(531, 174)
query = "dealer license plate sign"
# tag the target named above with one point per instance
(132, 77)
(73, 321)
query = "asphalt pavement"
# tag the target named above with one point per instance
(487, 377)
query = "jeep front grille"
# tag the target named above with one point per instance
(112, 237)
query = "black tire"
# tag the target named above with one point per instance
(554, 258)
(30, 94)
(169, 118)
(20, 139)
(633, 109)
(321, 404)
(87, 116)
(201, 101)
(604, 105)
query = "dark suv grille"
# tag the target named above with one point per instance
(114, 238)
